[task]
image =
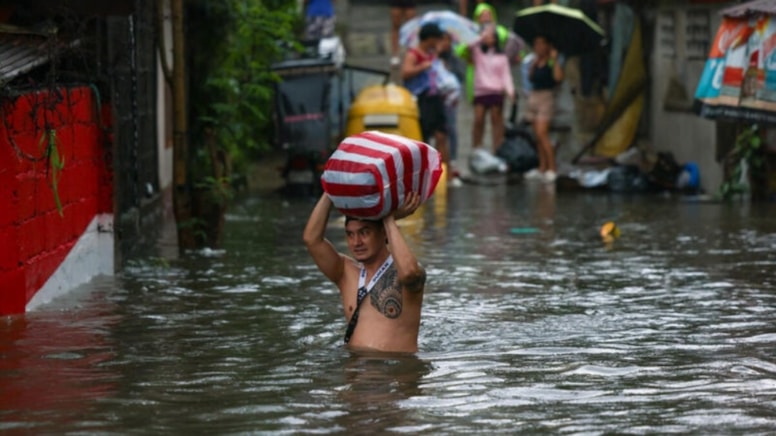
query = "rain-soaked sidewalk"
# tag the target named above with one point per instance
(366, 30)
(367, 41)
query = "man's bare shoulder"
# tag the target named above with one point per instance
(350, 263)
(350, 271)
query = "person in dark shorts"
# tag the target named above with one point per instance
(401, 12)
(418, 74)
(492, 83)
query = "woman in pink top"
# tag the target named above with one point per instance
(492, 81)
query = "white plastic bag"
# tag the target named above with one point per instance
(484, 162)
(446, 82)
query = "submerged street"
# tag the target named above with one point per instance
(530, 324)
(136, 133)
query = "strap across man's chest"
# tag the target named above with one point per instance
(363, 291)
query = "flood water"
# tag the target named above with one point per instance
(671, 329)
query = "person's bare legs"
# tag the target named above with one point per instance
(440, 143)
(544, 145)
(398, 17)
(478, 129)
(497, 126)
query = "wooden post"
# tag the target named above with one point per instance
(181, 189)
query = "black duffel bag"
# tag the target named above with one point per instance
(626, 179)
(519, 148)
(665, 172)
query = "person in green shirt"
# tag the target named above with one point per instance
(483, 14)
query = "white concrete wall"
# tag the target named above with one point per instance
(164, 125)
(688, 136)
(92, 256)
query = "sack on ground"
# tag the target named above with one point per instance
(518, 152)
(370, 173)
(626, 179)
(484, 162)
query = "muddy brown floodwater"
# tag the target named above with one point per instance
(671, 329)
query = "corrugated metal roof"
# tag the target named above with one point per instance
(20, 53)
(22, 50)
(753, 7)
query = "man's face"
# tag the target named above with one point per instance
(365, 239)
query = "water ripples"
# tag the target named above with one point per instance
(669, 330)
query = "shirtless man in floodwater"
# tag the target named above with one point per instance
(382, 269)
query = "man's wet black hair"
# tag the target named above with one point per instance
(430, 30)
(378, 223)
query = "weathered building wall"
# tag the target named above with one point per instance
(131, 48)
(682, 36)
(35, 238)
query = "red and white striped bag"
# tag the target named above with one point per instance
(371, 172)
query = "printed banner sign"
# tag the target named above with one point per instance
(739, 79)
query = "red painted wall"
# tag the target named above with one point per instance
(34, 237)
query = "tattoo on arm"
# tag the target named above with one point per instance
(417, 283)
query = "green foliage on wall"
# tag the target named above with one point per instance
(56, 162)
(232, 44)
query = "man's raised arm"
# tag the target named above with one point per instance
(411, 275)
(329, 261)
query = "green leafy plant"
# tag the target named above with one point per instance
(230, 98)
(219, 189)
(234, 83)
(56, 162)
(197, 225)
(746, 156)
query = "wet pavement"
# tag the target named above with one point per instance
(670, 329)
(365, 29)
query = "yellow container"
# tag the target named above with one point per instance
(387, 108)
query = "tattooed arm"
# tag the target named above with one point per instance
(411, 275)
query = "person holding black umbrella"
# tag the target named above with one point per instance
(552, 28)
(545, 74)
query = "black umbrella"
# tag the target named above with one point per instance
(568, 29)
